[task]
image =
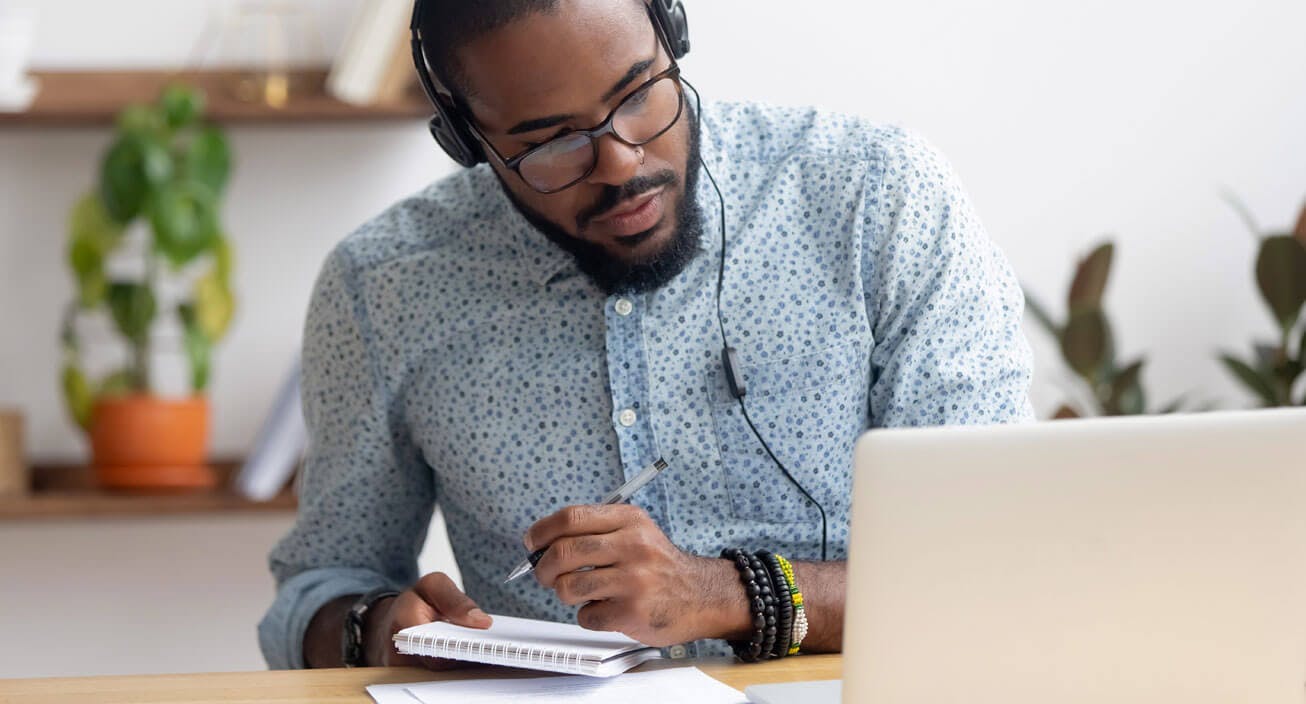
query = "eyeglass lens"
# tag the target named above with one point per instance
(640, 118)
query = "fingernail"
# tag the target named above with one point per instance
(477, 615)
(530, 545)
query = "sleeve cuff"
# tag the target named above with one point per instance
(281, 632)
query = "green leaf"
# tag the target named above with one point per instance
(1133, 401)
(184, 216)
(77, 395)
(1041, 314)
(1281, 274)
(1268, 356)
(199, 349)
(119, 383)
(1084, 343)
(93, 235)
(214, 306)
(88, 266)
(1126, 397)
(181, 104)
(133, 309)
(140, 119)
(90, 220)
(156, 162)
(223, 259)
(208, 159)
(122, 178)
(1090, 279)
(1262, 387)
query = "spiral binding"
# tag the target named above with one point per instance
(496, 653)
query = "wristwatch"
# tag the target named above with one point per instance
(351, 642)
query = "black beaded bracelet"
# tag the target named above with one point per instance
(754, 581)
(784, 604)
(770, 603)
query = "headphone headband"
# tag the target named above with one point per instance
(449, 127)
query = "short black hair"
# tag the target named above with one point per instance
(448, 25)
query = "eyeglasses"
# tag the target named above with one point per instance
(641, 117)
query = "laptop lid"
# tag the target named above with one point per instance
(1147, 559)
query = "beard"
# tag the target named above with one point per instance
(614, 274)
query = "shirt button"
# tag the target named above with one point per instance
(626, 417)
(676, 651)
(624, 306)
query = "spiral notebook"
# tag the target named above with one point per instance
(528, 643)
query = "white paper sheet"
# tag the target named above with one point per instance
(680, 684)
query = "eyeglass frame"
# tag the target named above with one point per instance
(606, 127)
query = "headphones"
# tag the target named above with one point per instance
(450, 130)
(449, 125)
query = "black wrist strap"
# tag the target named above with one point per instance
(352, 647)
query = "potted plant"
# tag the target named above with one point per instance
(156, 207)
(1275, 367)
(1088, 347)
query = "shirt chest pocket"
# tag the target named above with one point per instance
(809, 409)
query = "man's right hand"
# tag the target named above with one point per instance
(434, 598)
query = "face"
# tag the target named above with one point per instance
(629, 223)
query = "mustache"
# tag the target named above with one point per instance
(611, 196)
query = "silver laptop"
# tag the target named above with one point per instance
(1153, 559)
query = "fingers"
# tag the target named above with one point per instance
(443, 600)
(569, 554)
(434, 598)
(600, 615)
(582, 520)
(575, 588)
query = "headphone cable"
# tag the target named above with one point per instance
(720, 319)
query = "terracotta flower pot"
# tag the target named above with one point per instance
(148, 443)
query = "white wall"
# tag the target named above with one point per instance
(1067, 120)
(121, 596)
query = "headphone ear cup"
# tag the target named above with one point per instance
(457, 143)
(671, 13)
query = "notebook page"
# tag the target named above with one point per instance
(679, 684)
(566, 638)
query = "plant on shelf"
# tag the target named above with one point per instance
(1274, 368)
(1088, 347)
(154, 214)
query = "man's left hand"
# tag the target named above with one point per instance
(617, 562)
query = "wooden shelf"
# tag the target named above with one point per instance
(70, 492)
(81, 98)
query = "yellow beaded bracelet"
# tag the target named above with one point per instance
(800, 614)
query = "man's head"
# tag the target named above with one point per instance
(525, 72)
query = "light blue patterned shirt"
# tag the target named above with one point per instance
(453, 354)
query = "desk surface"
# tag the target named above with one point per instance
(343, 686)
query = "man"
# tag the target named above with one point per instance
(518, 339)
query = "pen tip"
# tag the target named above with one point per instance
(517, 572)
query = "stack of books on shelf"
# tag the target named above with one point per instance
(375, 63)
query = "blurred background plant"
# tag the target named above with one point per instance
(166, 172)
(1088, 346)
(1274, 368)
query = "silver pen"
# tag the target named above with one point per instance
(620, 495)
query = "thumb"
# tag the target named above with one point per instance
(450, 603)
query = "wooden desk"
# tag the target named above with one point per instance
(343, 686)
